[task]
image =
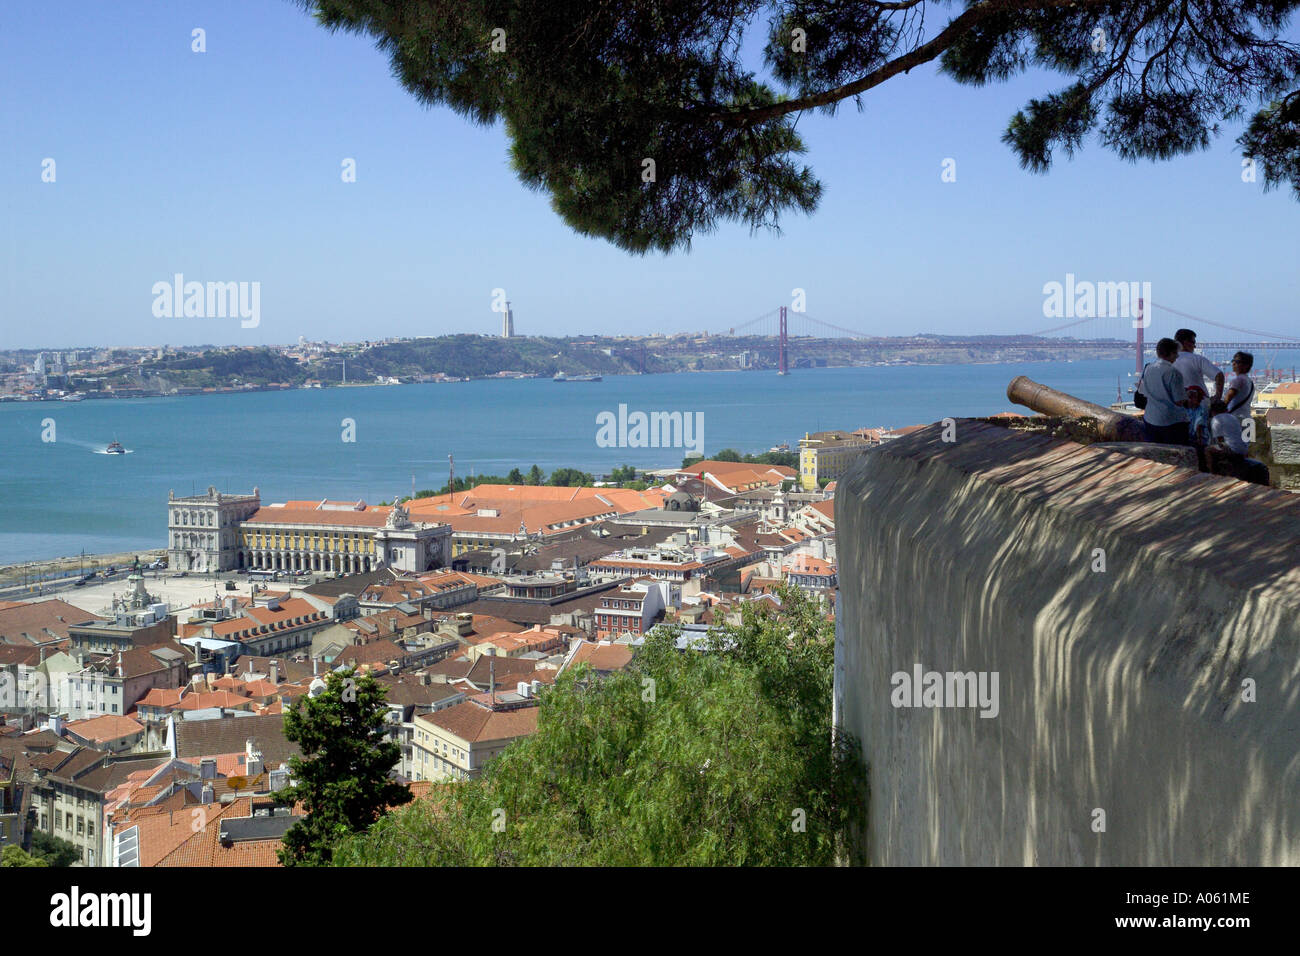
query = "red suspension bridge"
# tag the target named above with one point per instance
(787, 326)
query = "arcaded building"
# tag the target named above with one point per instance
(221, 532)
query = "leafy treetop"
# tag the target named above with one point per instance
(646, 125)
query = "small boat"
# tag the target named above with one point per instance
(73, 397)
(115, 448)
(561, 377)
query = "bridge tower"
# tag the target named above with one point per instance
(1141, 328)
(783, 367)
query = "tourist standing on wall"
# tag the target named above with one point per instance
(1165, 416)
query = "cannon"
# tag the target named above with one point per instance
(1048, 401)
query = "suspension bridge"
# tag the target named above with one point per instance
(785, 328)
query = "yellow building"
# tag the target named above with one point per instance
(455, 744)
(1284, 396)
(824, 456)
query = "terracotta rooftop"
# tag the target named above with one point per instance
(603, 657)
(472, 722)
(106, 727)
(40, 622)
(272, 514)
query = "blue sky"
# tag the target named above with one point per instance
(226, 165)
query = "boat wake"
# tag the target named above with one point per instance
(104, 451)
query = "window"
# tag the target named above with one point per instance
(58, 819)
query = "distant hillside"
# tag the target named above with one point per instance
(217, 367)
(475, 356)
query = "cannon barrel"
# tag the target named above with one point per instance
(1048, 401)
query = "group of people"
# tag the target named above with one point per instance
(1178, 410)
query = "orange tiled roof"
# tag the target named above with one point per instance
(216, 698)
(807, 564)
(604, 657)
(471, 722)
(272, 514)
(162, 697)
(43, 621)
(106, 727)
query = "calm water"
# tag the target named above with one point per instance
(57, 498)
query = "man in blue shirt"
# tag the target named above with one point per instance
(1165, 418)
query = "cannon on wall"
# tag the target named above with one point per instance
(1048, 401)
(1115, 427)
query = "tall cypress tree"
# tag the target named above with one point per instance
(341, 779)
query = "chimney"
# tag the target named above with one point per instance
(315, 666)
(207, 794)
(275, 672)
(492, 673)
(253, 758)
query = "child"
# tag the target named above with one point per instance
(1198, 425)
(1225, 429)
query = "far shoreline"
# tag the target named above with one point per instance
(497, 378)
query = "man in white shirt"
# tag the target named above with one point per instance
(1241, 390)
(1196, 368)
(1165, 417)
(1226, 429)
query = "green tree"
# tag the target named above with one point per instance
(536, 476)
(53, 850)
(342, 778)
(570, 478)
(728, 454)
(588, 92)
(722, 757)
(14, 856)
(516, 477)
